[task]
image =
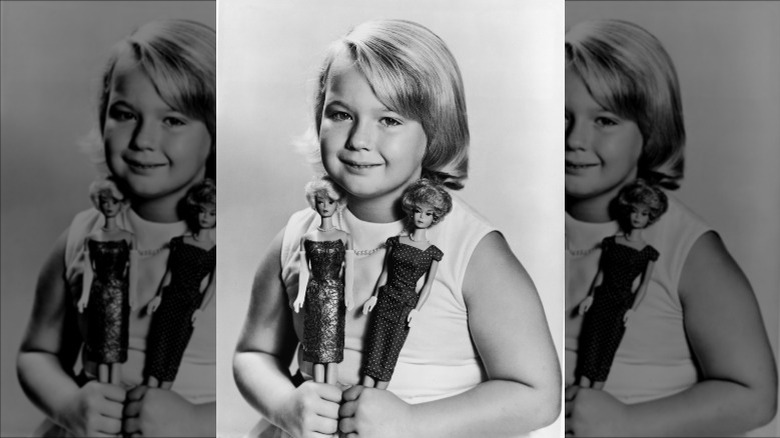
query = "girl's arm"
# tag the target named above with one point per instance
(263, 355)
(47, 356)
(371, 302)
(738, 387)
(425, 291)
(303, 277)
(349, 275)
(88, 275)
(641, 292)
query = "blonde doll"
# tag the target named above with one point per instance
(389, 110)
(695, 359)
(157, 132)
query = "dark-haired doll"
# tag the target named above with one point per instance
(396, 301)
(186, 288)
(614, 295)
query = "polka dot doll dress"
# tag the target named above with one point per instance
(171, 326)
(388, 328)
(602, 325)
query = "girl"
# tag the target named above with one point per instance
(157, 125)
(695, 359)
(389, 110)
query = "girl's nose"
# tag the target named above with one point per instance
(145, 136)
(575, 137)
(360, 138)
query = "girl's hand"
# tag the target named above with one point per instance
(154, 304)
(369, 305)
(159, 412)
(591, 412)
(585, 304)
(411, 316)
(376, 413)
(95, 411)
(82, 304)
(312, 410)
(298, 304)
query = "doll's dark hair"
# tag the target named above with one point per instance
(640, 193)
(425, 192)
(202, 193)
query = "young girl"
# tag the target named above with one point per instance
(389, 110)
(157, 125)
(695, 359)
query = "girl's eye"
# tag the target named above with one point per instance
(605, 121)
(339, 116)
(120, 114)
(174, 121)
(389, 121)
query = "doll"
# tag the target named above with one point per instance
(108, 288)
(186, 288)
(321, 291)
(613, 298)
(395, 297)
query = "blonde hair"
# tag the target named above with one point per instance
(324, 185)
(413, 73)
(627, 71)
(179, 57)
(103, 187)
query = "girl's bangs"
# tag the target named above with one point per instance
(399, 91)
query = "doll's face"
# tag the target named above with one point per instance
(326, 207)
(156, 151)
(639, 216)
(602, 148)
(422, 216)
(207, 216)
(368, 150)
(109, 206)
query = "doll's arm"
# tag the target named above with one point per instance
(588, 300)
(263, 355)
(155, 303)
(737, 390)
(86, 282)
(133, 275)
(303, 278)
(208, 293)
(371, 302)
(349, 275)
(425, 291)
(49, 351)
(641, 292)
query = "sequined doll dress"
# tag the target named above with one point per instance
(388, 328)
(171, 326)
(602, 325)
(108, 311)
(323, 309)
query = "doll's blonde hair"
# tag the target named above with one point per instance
(627, 71)
(105, 187)
(324, 185)
(412, 72)
(180, 59)
(425, 192)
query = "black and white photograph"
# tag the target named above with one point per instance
(672, 206)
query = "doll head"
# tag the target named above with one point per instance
(323, 188)
(179, 58)
(641, 198)
(412, 72)
(106, 197)
(425, 193)
(201, 204)
(628, 72)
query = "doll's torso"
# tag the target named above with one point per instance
(323, 308)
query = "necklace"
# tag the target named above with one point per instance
(325, 230)
(582, 252)
(151, 252)
(362, 252)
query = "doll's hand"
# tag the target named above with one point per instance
(95, 410)
(411, 317)
(369, 305)
(592, 412)
(161, 412)
(349, 303)
(375, 413)
(82, 304)
(298, 304)
(154, 304)
(195, 316)
(585, 304)
(312, 409)
(627, 316)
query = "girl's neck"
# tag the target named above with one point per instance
(162, 210)
(594, 208)
(378, 210)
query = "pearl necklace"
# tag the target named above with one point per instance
(151, 252)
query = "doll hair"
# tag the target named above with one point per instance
(412, 72)
(324, 185)
(179, 57)
(103, 187)
(202, 193)
(425, 192)
(640, 193)
(627, 71)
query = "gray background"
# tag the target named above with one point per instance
(728, 62)
(52, 57)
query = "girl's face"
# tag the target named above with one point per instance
(207, 216)
(369, 150)
(639, 216)
(156, 151)
(422, 216)
(326, 207)
(602, 149)
(109, 205)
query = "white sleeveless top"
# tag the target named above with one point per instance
(196, 379)
(438, 359)
(654, 359)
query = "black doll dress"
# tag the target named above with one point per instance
(388, 328)
(324, 309)
(171, 326)
(108, 311)
(602, 325)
